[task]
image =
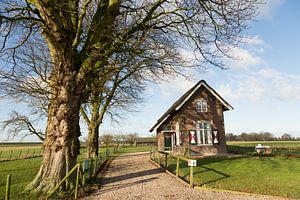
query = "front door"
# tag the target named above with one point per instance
(168, 141)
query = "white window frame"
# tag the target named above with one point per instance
(201, 105)
(204, 133)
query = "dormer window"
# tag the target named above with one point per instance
(202, 106)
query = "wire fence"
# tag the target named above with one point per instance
(16, 154)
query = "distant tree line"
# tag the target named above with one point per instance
(108, 139)
(261, 136)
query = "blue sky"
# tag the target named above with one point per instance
(263, 84)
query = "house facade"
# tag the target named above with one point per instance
(194, 123)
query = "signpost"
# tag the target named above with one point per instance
(191, 164)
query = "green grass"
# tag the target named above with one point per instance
(134, 149)
(22, 171)
(278, 144)
(275, 176)
(279, 148)
(17, 153)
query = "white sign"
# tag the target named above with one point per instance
(192, 163)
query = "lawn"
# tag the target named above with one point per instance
(133, 149)
(22, 171)
(263, 175)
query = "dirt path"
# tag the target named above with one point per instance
(133, 177)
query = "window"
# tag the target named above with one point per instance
(202, 106)
(203, 133)
(167, 127)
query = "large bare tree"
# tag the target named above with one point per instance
(82, 38)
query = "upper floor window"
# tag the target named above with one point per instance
(167, 127)
(202, 106)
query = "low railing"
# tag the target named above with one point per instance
(161, 158)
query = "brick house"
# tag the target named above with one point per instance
(194, 123)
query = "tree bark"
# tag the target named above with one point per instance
(61, 146)
(93, 140)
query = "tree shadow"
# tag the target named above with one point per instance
(201, 164)
(114, 187)
(108, 180)
(223, 175)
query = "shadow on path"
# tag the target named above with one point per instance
(108, 180)
(122, 185)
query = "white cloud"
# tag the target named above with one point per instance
(261, 85)
(249, 55)
(243, 59)
(244, 88)
(177, 85)
(266, 10)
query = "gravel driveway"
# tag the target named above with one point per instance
(133, 176)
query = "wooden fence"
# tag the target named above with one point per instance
(162, 157)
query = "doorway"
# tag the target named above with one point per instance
(168, 141)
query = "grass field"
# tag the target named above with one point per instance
(277, 144)
(262, 175)
(279, 148)
(24, 170)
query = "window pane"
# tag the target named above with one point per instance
(205, 137)
(201, 136)
(198, 137)
(201, 125)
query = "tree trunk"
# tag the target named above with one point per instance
(61, 145)
(93, 140)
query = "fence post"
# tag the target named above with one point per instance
(166, 160)
(191, 176)
(27, 153)
(10, 154)
(20, 153)
(77, 182)
(91, 167)
(177, 166)
(158, 158)
(96, 165)
(84, 169)
(7, 188)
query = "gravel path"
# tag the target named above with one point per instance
(133, 176)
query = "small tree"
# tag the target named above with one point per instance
(107, 139)
(286, 137)
(131, 138)
(118, 138)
